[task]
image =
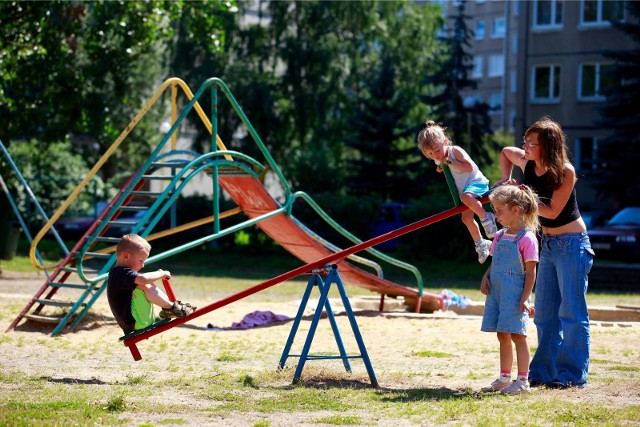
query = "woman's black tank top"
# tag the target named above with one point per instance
(542, 187)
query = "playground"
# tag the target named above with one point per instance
(430, 368)
(356, 347)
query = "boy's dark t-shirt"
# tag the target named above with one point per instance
(122, 283)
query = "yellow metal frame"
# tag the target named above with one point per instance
(174, 83)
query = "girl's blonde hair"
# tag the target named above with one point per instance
(132, 243)
(522, 197)
(431, 135)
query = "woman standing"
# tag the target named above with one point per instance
(561, 314)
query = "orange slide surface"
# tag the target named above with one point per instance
(252, 197)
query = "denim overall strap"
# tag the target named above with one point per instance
(502, 306)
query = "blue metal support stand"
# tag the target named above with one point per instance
(323, 302)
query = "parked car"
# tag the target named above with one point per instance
(73, 228)
(594, 219)
(389, 220)
(131, 218)
(619, 237)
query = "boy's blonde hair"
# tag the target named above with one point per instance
(132, 243)
(431, 135)
(522, 197)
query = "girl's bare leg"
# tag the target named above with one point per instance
(522, 351)
(471, 201)
(506, 351)
(472, 225)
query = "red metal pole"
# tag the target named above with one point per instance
(336, 257)
(168, 289)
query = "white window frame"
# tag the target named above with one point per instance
(499, 27)
(496, 96)
(600, 21)
(496, 66)
(579, 153)
(597, 97)
(480, 33)
(554, 24)
(478, 67)
(550, 99)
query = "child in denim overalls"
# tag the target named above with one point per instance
(509, 281)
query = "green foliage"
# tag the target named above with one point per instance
(84, 68)
(116, 404)
(52, 172)
(467, 124)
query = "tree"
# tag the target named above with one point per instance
(382, 157)
(84, 69)
(619, 153)
(467, 124)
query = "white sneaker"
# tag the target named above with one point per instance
(497, 385)
(489, 225)
(482, 248)
(517, 387)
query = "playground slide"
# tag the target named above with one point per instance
(252, 197)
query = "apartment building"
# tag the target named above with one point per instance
(546, 57)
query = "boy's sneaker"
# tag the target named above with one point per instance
(517, 387)
(497, 385)
(482, 248)
(179, 309)
(489, 225)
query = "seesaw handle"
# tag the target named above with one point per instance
(168, 289)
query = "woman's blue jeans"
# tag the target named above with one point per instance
(562, 317)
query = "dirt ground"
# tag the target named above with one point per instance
(394, 340)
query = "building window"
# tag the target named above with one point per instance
(499, 28)
(495, 102)
(480, 30)
(471, 101)
(514, 44)
(601, 12)
(514, 82)
(586, 154)
(477, 73)
(547, 13)
(594, 80)
(545, 83)
(496, 66)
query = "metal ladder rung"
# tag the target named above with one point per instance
(179, 163)
(145, 193)
(129, 208)
(70, 285)
(95, 255)
(75, 270)
(107, 239)
(57, 303)
(43, 319)
(123, 223)
(158, 177)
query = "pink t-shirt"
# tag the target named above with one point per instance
(528, 245)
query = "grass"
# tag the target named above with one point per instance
(212, 378)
